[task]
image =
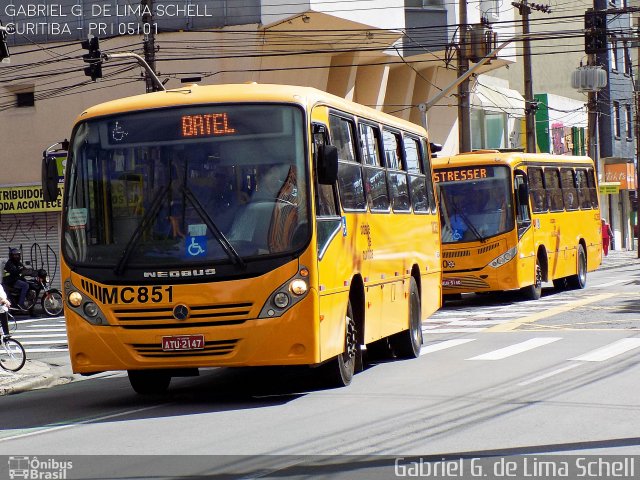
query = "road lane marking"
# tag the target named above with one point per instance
(549, 374)
(436, 347)
(516, 349)
(510, 326)
(609, 351)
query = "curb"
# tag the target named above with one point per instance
(32, 376)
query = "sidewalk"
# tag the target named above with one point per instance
(620, 258)
(36, 374)
(57, 370)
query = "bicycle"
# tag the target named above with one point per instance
(12, 354)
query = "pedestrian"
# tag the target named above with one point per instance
(607, 236)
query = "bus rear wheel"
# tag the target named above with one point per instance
(579, 280)
(407, 344)
(149, 382)
(534, 292)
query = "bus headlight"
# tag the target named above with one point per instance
(504, 258)
(298, 287)
(91, 309)
(281, 300)
(75, 299)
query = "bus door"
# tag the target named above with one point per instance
(524, 224)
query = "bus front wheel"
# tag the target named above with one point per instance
(149, 382)
(579, 280)
(339, 371)
(534, 292)
(407, 344)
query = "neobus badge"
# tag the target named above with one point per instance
(460, 174)
(206, 125)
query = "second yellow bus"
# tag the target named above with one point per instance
(513, 221)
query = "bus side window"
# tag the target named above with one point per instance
(593, 191)
(374, 173)
(552, 187)
(398, 184)
(536, 190)
(417, 179)
(429, 173)
(569, 192)
(350, 182)
(584, 196)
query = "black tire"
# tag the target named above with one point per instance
(340, 371)
(12, 355)
(579, 280)
(30, 300)
(52, 303)
(407, 344)
(149, 382)
(534, 292)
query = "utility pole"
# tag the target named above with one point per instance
(464, 109)
(149, 43)
(531, 106)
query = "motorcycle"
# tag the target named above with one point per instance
(39, 291)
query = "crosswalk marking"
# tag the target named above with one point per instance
(609, 351)
(516, 349)
(436, 347)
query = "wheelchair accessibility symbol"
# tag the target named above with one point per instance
(196, 246)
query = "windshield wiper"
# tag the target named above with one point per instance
(149, 216)
(468, 223)
(204, 215)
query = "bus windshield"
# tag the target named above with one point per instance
(475, 202)
(187, 186)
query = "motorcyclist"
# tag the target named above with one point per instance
(13, 276)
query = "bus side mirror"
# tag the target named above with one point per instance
(327, 164)
(49, 179)
(523, 194)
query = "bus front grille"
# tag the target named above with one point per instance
(211, 349)
(487, 248)
(470, 283)
(456, 253)
(199, 316)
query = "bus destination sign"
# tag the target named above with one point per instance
(462, 174)
(206, 125)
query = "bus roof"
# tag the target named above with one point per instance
(194, 94)
(510, 158)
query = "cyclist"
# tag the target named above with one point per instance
(13, 271)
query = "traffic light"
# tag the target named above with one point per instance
(93, 58)
(595, 35)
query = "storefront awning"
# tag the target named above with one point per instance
(497, 99)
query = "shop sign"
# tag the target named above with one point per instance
(623, 173)
(27, 199)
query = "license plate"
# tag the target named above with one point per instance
(183, 342)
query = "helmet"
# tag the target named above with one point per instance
(14, 251)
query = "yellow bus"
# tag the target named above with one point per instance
(245, 225)
(513, 221)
